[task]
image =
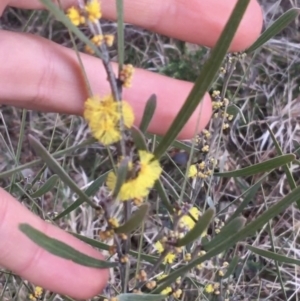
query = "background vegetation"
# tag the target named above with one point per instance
(264, 87)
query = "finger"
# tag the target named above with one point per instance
(41, 75)
(38, 266)
(3, 4)
(194, 21)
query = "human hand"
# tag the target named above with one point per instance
(40, 75)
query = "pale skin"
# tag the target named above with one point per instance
(40, 75)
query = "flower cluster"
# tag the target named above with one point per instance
(168, 243)
(188, 216)
(142, 176)
(186, 221)
(103, 116)
(91, 12)
(220, 106)
(98, 39)
(170, 256)
(37, 294)
(126, 75)
(202, 170)
(205, 166)
(109, 232)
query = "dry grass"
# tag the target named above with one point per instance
(268, 93)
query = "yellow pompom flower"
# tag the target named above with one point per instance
(126, 75)
(159, 247)
(109, 39)
(103, 116)
(192, 171)
(149, 172)
(32, 297)
(124, 108)
(38, 291)
(97, 39)
(187, 221)
(169, 258)
(209, 288)
(93, 10)
(167, 290)
(75, 16)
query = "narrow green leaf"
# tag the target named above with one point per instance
(54, 9)
(170, 185)
(135, 220)
(186, 146)
(163, 196)
(148, 113)
(273, 256)
(102, 246)
(60, 153)
(121, 176)
(232, 227)
(140, 297)
(120, 33)
(138, 138)
(90, 191)
(198, 229)
(259, 167)
(62, 250)
(48, 185)
(248, 197)
(281, 23)
(235, 110)
(249, 229)
(231, 268)
(297, 147)
(41, 171)
(286, 169)
(205, 79)
(56, 167)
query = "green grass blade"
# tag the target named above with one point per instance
(248, 196)
(259, 167)
(176, 143)
(286, 169)
(249, 229)
(48, 185)
(56, 167)
(273, 256)
(278, 269)
(12, 171)
(163, 196)
(19, 147)
(198, 229)
(59, 14)
(281, 23)
(90, 191)
(140, 297)
(148, 113)
(62, 250)
(120, 33)
(134, 221)
(204, 81)
(235, 110)
(231, 267)
(171, 185)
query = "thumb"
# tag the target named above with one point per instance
(23, 257)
